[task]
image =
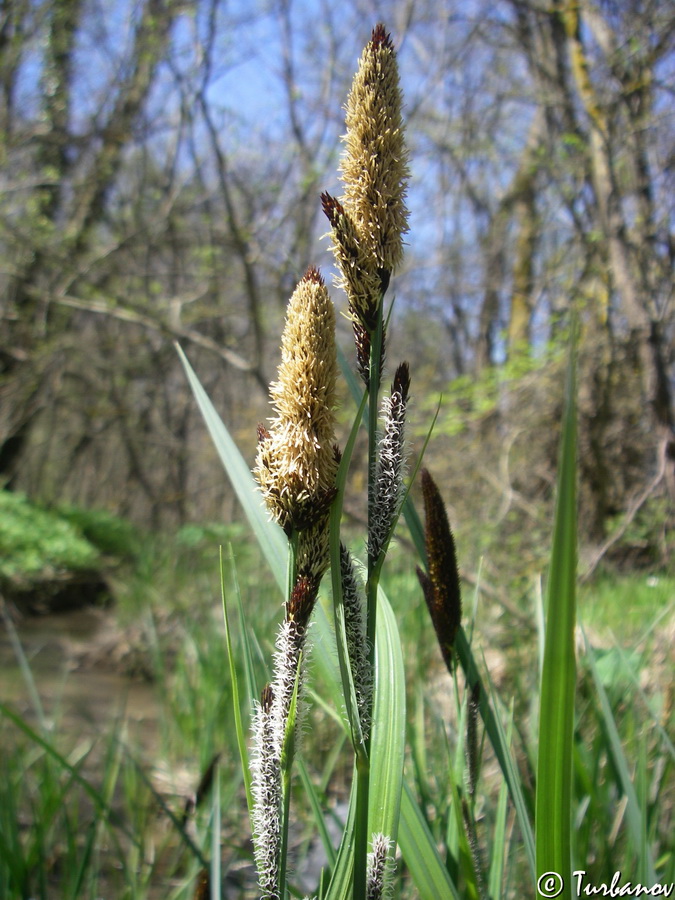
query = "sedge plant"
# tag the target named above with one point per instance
(293, 500)
(566, 798)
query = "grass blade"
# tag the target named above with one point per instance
(387, 746)
(418, 847)
(495, 732)
(96, 797)
(558, 679)
(496, 873)
(215, 879)
(317, 812)
(340, 887)
(269, 535)
(236, 709)
(635, 817)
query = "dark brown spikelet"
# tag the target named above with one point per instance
(203, 886)
(401, 383)
(267, 698)
(380, 38)
(312, 274)
(441, 583)
(332, 208)
(362, 344)
(359, 275)
(301, 602)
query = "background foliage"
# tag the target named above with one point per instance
(161, 172)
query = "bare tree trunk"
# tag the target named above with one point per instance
(517, 203)
(631, 273)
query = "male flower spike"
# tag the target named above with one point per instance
(370, 219)
(297, 458)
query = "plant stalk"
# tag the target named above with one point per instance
(363, 764)
(375, 364)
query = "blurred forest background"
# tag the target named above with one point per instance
(161, 163)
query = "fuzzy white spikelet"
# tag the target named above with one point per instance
(288, 656)
(266, 788)
(379, 868)
(269, 732)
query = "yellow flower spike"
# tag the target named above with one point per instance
(375, 163)
(297, 461)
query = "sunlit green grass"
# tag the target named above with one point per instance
(56, 841)
(626, 606)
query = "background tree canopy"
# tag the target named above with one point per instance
(162, 163)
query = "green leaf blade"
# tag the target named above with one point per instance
(558, 681)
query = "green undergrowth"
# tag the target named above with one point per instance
(88, 816)
(35, 540)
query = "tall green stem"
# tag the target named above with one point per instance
(286, 810)
(363, 764)
(375, 365)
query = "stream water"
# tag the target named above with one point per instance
(83, 698)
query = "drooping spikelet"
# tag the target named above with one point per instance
(297, 463)
(375, 163)
(388, 483)
(441, 585)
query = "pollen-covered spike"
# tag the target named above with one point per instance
(313, 554)
(375, 163)
(441, 585)
(296, 466)
(289, 673)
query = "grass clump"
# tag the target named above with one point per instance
(36, 543)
